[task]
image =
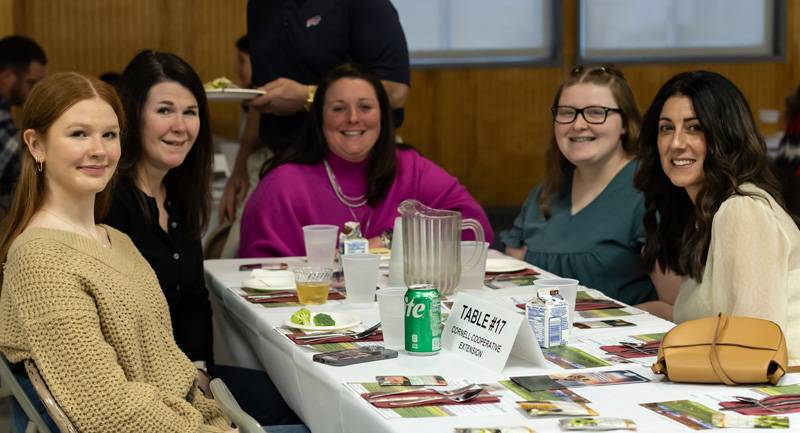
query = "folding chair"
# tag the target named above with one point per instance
(36, 423)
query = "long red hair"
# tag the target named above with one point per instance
(47, 101)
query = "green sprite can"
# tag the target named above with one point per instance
(423, 320)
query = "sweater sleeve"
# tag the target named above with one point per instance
(748, 260)
(440, 190)
(61, 323)
(273, 218)
(513, 237)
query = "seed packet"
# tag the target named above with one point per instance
(735, 420)
(612, 323)
(515, 429)
(553, 407)
(596, 424)
(410, 380)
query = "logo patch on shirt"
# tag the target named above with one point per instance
(313, 21)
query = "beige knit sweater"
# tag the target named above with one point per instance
(96, 323)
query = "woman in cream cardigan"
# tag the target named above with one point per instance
(714, 212)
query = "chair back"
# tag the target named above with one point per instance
(35, 421)
(50, 404)
(230, 407)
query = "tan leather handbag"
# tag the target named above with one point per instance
(723, 349)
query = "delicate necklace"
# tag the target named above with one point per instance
(79, 228)
(346, 200)
(349, 202)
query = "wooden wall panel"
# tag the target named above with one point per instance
(490, 127)
(95, 36)
(495, 141)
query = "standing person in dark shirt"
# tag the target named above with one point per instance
(161, 200)
(294, 43)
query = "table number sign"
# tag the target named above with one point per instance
(487, 333)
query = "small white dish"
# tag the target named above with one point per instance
(232, 95)
(343, 321)
(264, 280)
(498, 265)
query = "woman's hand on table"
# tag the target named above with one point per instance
(517, 253)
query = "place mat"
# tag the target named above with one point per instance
(286, 297)
(633, 351)
(772, 405)
(377, 336)
(596, 304)
(418, 399)
(522, 273)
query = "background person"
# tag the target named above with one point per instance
(714, 210)
(162, 197)
(585, 220)
(293, 45)
(77, 298)
(22, 65)
(345, 167)
(787, 161)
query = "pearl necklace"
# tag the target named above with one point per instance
(345, 199)
(79, 229)
(349, 202)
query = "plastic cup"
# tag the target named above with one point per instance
(313, 285)
(360, 276)
(472, 278)
(320, 241)
(391, 306)
(567, 287)
(396, 277)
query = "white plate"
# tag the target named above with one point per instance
(233, 95)
(265, 280)
(505, 265)
(343, 321)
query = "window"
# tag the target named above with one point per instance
(631, 30)
(478, 31)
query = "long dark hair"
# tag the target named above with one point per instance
(311, 147)
(189, 183)
(678, 230)
(48, 100)
(558, 166)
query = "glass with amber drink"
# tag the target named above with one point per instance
(313, 285)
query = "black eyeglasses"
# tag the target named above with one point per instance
(594, 114)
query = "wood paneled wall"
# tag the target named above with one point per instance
(96, 36)
(487, 126)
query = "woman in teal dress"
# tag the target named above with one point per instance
(585, 220)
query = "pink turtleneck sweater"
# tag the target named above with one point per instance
(295, 195)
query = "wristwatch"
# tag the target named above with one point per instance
(312, 90)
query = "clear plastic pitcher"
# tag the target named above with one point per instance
(432, 245)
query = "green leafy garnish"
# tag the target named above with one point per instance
(323, 319)
(301, 317)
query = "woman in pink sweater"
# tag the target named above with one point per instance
(345, 167)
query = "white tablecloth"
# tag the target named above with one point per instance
(316, 392)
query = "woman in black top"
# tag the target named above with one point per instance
(161, 199)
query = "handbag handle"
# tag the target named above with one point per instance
(715, 364)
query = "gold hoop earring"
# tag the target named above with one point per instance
(39, 166)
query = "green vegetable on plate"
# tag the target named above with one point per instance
(323, 319)
(301, 317)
